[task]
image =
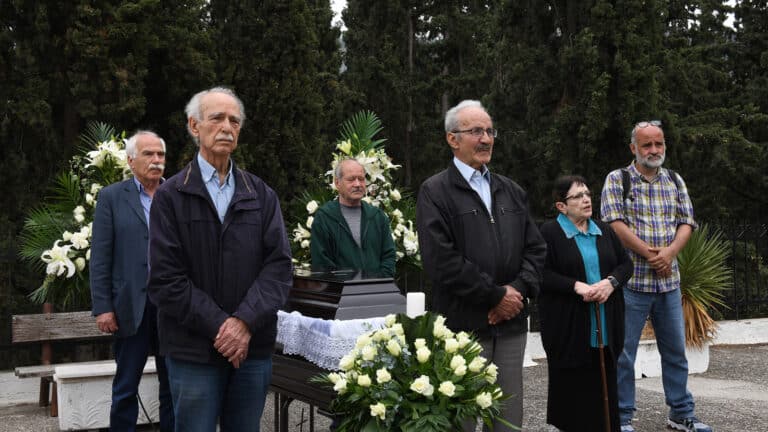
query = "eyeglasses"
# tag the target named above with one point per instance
(645, 124)
(478, 132)
(580, 195)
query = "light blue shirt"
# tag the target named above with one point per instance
(220, 193)
(587, 244)
(480, 182)
(144, 198)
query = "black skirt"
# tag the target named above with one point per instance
(575, 396)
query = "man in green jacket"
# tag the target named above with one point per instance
(349, 233)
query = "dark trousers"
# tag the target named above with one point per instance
(131, 355)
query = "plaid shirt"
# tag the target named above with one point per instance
(653, 211)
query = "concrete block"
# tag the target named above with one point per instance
(85, 394)
(648, 360)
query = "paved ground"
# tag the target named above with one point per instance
(731, 396)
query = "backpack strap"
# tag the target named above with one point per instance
(626, 185)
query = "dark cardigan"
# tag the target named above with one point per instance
(564, 315)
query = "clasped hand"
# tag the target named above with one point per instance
(232, 340)
(509, 306)
(661, 261)
(597, 292)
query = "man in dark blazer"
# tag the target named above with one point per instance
(118, 276)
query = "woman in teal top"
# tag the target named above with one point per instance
(586, 268)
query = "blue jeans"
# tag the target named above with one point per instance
(204, 394)
(666, 312)
(131, 355)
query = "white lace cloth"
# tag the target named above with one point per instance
(323, 342)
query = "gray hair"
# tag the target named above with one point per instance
(633, 134)
(451, 120)
(337, 171)
(130, 143)
(195, 110)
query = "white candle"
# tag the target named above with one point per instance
(414, 305)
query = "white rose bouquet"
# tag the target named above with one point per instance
(414, 374)
(56, 238)
(358, 141)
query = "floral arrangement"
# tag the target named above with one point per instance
(358, 141)
(56, 237)
(414, 374)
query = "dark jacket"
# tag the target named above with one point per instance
(564, 316)
(470, 255)
(333, 246)
(204, 271)
(118, 266)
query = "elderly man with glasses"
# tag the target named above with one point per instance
(653, 218)
(482, 250)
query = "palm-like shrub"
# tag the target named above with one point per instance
(55, 239)
(704, 277)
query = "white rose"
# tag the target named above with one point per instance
(79, 218)
(312, 206)
(463, 338)
(398, 329)
(369, 352)
(477, 364)
(451, 345)
(447, 388)
(395, 194)
(309, 221)
(422, 386)
(305, 244)
(334, 377)
(79, 210)
(420, 343)
(460, 371)
(457, 361)
(341, 386)
(88, 255)
(347, 362)
(491, 373)
(389, 320)
(484, 400)
(393, 347)
(422, 354)
(89, 199)
(378, 410)
(363, 340)
(67, 236)
(364, 381)
(383, 376)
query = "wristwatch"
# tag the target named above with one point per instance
(613, 281)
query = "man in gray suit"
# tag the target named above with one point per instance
(118, 273)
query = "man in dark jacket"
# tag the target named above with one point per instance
(349, 233)
(220, 270)
(482, 250)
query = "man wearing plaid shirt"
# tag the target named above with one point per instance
(654, 223)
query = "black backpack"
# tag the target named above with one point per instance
(626, 184)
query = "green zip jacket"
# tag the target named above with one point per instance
(333, 247)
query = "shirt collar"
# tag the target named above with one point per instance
(140, 186)
(209, 173)
(571, 231)
(467, 171)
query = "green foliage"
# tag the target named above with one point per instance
(704, 278)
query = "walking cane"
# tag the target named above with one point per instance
(601, 349)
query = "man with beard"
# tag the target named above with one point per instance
(349, 233)
(118, 275)
(654, 220)
(482, 250)
(220, 271)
